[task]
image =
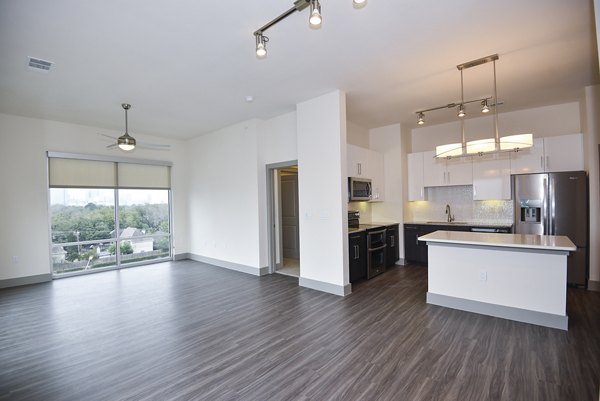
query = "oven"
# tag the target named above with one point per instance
(376, 248)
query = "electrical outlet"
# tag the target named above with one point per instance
(482, 276)
(15, 260)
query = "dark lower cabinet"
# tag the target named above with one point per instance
(415, 251)
(357, 246)
(393, 248)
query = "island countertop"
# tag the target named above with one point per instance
(527, 241)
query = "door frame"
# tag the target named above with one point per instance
(271, 169)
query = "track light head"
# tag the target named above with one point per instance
(420, 118)
(261, 45)
(359, 3)
(315, 18)
(461, 110)
(484, 106)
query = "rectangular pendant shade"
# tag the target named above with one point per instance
(513, 142)
(449, 150)
(481, 146)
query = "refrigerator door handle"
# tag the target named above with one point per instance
(545, 216)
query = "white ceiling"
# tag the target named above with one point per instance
(186, 66)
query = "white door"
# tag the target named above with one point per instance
(289, 216)
(491, 177)
(434, 170)
(459, 171)
(564, 153)
(530, 160)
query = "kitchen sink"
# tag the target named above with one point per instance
(446, 223)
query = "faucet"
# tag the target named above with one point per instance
(448, 212)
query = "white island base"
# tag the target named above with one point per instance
(511, 276)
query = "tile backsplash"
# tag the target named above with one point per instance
(464, 208)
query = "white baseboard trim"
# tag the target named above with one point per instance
(504, 312)
(325, 287)
(181, 256)
(402, 262)
(593, 285)
(255, 271)
(15, 282)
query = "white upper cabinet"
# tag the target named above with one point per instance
(434, 170)
(376, 174)
(367, 163)
(358, 161)
(491, 177)
(442, 172)
(416, 191)
(459, 171)
(563, 153)
(549, 154)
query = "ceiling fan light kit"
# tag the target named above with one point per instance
(315, 19)
(511, 143)
(126, 142)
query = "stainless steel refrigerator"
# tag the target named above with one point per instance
(556, 204)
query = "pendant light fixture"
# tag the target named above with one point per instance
(126, 142)
(512, 143)
(315, 19)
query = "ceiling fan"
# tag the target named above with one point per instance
(127, 143)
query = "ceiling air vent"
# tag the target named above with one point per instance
(37, 64)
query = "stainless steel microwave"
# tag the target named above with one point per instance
(359, 189)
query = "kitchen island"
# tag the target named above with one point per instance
(513, 276)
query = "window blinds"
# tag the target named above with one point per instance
(81, 173)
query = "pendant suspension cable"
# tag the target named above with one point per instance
(496, 132)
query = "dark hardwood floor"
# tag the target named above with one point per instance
(189, 331)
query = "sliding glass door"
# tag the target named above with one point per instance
(105, 215)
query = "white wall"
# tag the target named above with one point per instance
(23, 174)
(590, 117)
(357, 135)
(554, 120)
(227, 189)
(322, 183)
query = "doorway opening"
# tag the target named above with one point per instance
(284, 221)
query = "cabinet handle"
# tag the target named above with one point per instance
(421, 193)
(448, 177)
(358, 168)
(547, 163)
(357, 251)
(542, 162)
(393, 241)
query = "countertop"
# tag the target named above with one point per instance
(368, 226)
(528, 241)
(459, 223)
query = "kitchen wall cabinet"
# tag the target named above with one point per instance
(376, 171)
(491, 177)
(367, 163)
(549, 154)
(443, 172)
(416, 190)
(358, 161)
(357, 245)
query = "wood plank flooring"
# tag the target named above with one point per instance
(190, 331)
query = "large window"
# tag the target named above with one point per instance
(89, 233)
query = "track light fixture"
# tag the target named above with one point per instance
(315, 20)
(261, 45)
(359, 3)
(461, 110)
(484, 106)
(421, 118)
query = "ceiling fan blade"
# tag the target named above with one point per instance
(107, 136)
(153, 145)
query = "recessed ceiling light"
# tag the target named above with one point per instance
(249, 98)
